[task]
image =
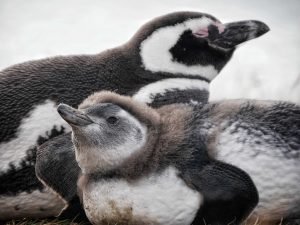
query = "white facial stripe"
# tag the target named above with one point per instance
(40, 120)
(95, 158)
(162, 198)
(156, 56)
(147, 93)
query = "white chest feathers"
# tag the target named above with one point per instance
(160, 199)
(276, 176)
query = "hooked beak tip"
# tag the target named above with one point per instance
(60, 108)
(263, 28)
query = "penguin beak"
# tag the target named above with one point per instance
(73, 116)
(230, 35)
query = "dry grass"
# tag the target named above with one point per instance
(68, 222)
(43, 222)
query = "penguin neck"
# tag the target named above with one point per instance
(119, 71)
(173, 90)
(153, 88)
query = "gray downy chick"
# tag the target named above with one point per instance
(142, 166)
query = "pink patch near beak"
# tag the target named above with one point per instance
(202, 32)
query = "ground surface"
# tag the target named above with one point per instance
(55, 222)
(43, 222)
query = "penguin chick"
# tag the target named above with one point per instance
(260, 137)
(180, 52)
(142, 166)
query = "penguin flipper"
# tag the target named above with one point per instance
(74, 211)
(57, 168)
(229, 195)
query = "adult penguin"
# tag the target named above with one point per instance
(181, 51)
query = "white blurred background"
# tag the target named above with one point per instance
(265, 68)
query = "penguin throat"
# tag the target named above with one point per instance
(173, 90)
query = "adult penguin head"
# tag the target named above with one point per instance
(191, 44)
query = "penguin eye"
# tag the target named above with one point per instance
(112, 120)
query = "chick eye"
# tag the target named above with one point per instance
(112, 120)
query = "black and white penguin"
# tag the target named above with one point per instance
(180, 52)
(145, 167)
(260, 137)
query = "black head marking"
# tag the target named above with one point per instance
(191, 50)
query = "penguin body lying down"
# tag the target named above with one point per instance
(260, 137)
(181, 51)
(146, 166)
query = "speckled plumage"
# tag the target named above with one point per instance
(263, 139)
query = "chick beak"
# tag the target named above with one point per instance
(73, 116)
